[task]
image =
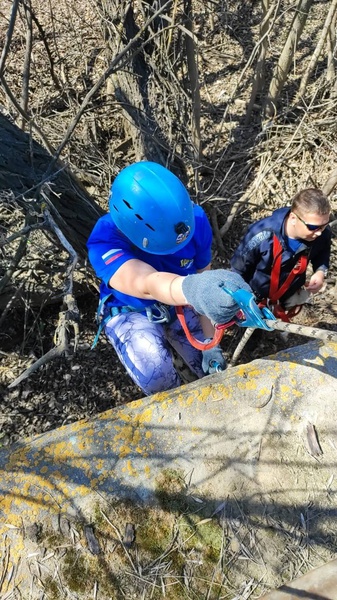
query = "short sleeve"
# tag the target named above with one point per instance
(108, 249)
(203, 239)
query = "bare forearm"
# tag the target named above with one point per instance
(206, 291)
(143, 281)
(139, 279)
(172, 294)
(165, 287)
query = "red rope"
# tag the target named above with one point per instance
(218, 333)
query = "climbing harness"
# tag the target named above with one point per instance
(156, 313)
(276, 290)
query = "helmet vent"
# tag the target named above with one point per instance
(127, 204)
(150, 227)
(139, 217)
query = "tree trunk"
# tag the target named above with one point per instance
(131, 86)
(287, 55)
(314, 59)
(23, 163)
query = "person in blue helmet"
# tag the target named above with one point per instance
(152, 252)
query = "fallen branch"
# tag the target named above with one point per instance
(69, 316)
(330, 183)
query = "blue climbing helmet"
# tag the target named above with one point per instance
(151, 206)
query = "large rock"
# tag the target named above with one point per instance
(261, 435)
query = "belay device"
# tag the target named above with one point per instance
(252, 317)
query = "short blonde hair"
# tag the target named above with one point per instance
(311, 200)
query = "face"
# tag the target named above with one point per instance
(298, 221)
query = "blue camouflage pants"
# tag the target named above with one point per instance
(144, 349)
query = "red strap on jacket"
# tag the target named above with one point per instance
(275, 292)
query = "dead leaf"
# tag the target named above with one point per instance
(129, 535)
(312, 441)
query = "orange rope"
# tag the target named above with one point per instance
(218, 333)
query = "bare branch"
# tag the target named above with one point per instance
(112, 67)
(46, 358)
(286, 57)
(249, 63)
(69, 316)
(258, 81)
(331, 183)
(26, 65)
(27, 118)
(191, 54)
(331, 39)
(43, 37)
(9, 35)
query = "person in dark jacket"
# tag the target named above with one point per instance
(275, 252)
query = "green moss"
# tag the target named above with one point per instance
(176, 525)
(171, 490)
(75, 571)
(98, 518)
(155, 531)
(51, 589)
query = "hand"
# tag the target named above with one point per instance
(211, 359)
(204, 292)
(300, 297)
(316, 282)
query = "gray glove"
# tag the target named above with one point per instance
(204, 292)
(213, 360)
(302, 296)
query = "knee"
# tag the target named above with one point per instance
(157, 376)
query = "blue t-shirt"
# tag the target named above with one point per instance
(293, 243)
(109, 249)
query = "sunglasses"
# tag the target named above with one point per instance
(310, 226)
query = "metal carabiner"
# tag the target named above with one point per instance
(250, 315)
(163, 316)
(215, 365)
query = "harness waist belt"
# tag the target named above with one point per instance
(156, 313)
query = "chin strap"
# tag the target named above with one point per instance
(219, 331)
